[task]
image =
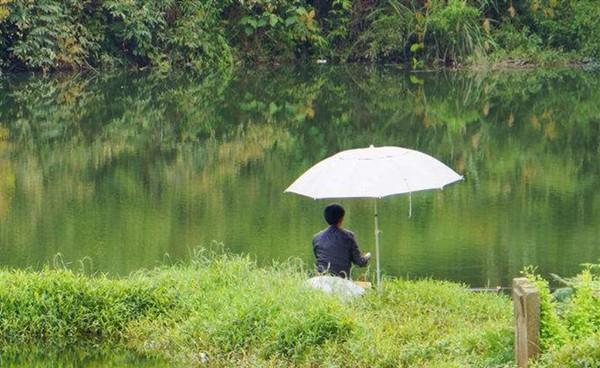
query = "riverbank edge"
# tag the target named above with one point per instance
(549, 59)
(221, 309)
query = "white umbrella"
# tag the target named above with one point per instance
(373, 172)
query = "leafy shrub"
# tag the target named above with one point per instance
(276, 29)
(564, 24)
(584, 353)
(585, 21)
(43, 33)
(50, 34)
(570, 329)
(402, 30)
(455, 30)
(336, 28)
(393, 28)
(509, 38)
(552, 331)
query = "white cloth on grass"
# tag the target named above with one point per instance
(335, 285)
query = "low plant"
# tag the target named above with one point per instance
(570, 323)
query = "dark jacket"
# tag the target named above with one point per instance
(335, 250)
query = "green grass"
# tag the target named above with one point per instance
(225, 309)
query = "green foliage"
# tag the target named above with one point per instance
(566, 24)
(44, 34)
(455, 30)
(225, 309)
(571, 328)
(585, 22)
(164, 33)
(136, 26)
(584, 353)
(525, 46)
(557, 28)
(446, 32)
(61, 309)
(284, 30)
(337, 26)
(553, 333)
(392, 29)
(54, 34)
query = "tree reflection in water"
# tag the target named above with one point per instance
(124, 168)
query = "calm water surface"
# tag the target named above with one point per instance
(119, 172)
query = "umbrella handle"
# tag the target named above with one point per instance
(377, 244)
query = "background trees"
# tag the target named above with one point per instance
(207, 34)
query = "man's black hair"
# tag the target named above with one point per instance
(334, 213)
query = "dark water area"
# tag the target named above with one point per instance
(41, 358)
(119, 172)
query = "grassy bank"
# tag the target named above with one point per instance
(224, 310)
(205, 34)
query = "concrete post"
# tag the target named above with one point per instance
(526, 303)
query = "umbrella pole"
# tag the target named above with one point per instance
(377, 245)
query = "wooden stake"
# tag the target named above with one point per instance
(526, 303)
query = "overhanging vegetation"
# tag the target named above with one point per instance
(204, 34)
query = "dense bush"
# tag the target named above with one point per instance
(226, 310)
(47, 34)
(267, 30)
(566, 24)
(207, 34)
(455, 30)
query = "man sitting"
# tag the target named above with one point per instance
(336, 248)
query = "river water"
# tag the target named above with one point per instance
(116, 172)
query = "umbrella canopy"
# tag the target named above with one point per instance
(373, 172)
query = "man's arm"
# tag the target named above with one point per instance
(357, 257)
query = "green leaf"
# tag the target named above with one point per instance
(248, 21)
(273, 108)
(245, 20)
(415, 80)
(416, 47)
(290, 20)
